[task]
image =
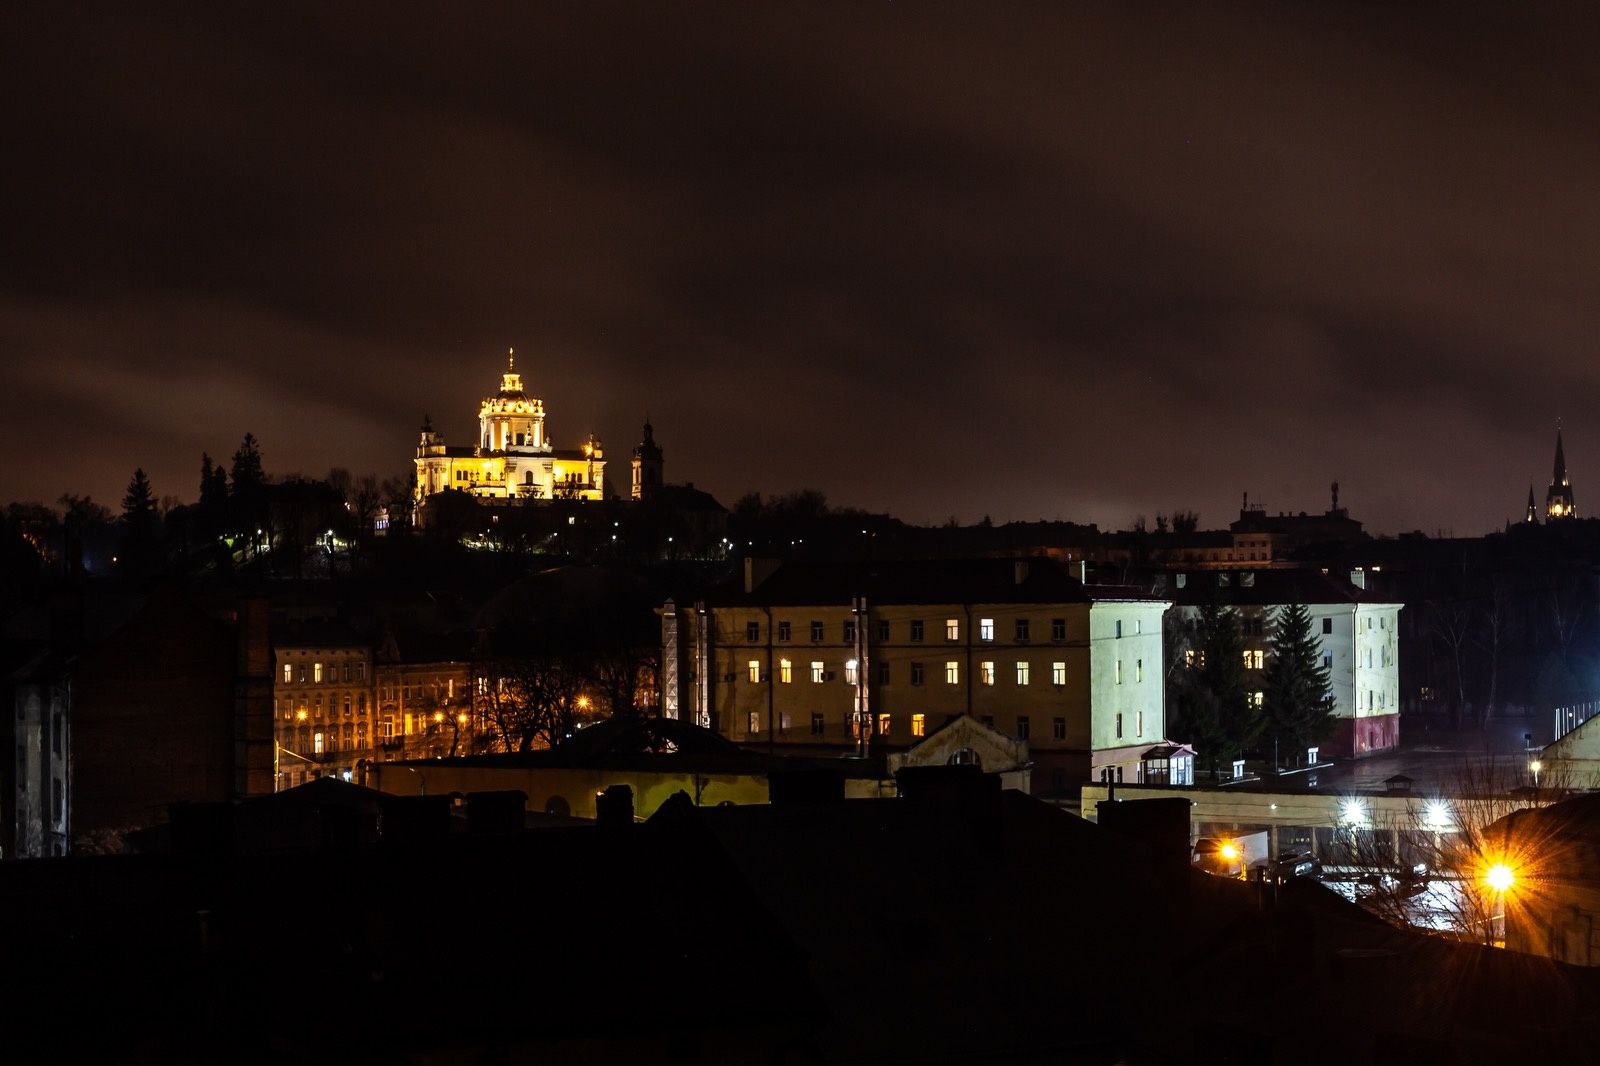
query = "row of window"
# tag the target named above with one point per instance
(952, 672)
(317, 673)
(301, 710)
(918, 723)
(1022, 630)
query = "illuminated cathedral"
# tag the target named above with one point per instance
(514, 458)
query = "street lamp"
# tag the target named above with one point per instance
(1500, 877)
(1534, 766)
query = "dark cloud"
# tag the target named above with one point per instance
(1038, 261)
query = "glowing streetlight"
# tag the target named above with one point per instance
(1353, 811)
(583, 703)
(1500, 877)
(1534, 766)
(1438, 813)
(1228, 851)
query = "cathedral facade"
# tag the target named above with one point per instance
(514, 459)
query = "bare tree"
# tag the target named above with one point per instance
(1430, 867)
(1451, 621)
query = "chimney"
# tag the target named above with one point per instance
(756, 571)
(614, 806)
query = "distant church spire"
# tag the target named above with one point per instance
(1558, 501)
(1532, 517)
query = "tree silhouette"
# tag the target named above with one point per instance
(1298, 699)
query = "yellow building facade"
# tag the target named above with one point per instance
(513, 459)
(806, 664)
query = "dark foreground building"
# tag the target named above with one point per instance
(956, 924)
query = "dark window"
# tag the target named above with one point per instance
(1058, 629)
(1327, 625)
(1022, 727)
(783, 632)
(883, 673)
(752, 631)
(55, 732)
(883, 630)
(1058, 729)
(816, 724)
(916, 673)
(848, 631)
(916, 630)
(816, 631)
(987, 720)
(1022, 631)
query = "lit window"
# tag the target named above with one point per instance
(1138, 670)
(919, 725)
(785, 723)
(1023, 728)
(755, 722)
(1253, 660)
(316, 673)
(302, 673)
(755, 671)
(1258, 698)
(850, 671)
(952, 672)
(986, 629)
(288, 673)
(1024, 668)
(1138, 625)
(317, 743)
(986, 673)
(816, 672)
(885, 724)
(952, 629)
(1139, 723)
(1022, 631)
(1188, 657)
(785, 671)
(1058, 673)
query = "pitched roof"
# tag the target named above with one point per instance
(959, 581)
(1265, 588)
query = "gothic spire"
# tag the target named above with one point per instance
(1560, 477)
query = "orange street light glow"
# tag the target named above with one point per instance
(1499, 877)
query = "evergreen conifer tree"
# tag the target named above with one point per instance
(1299, 692)
(141, 525)
(1212, 704)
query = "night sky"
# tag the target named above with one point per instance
(937, 260)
